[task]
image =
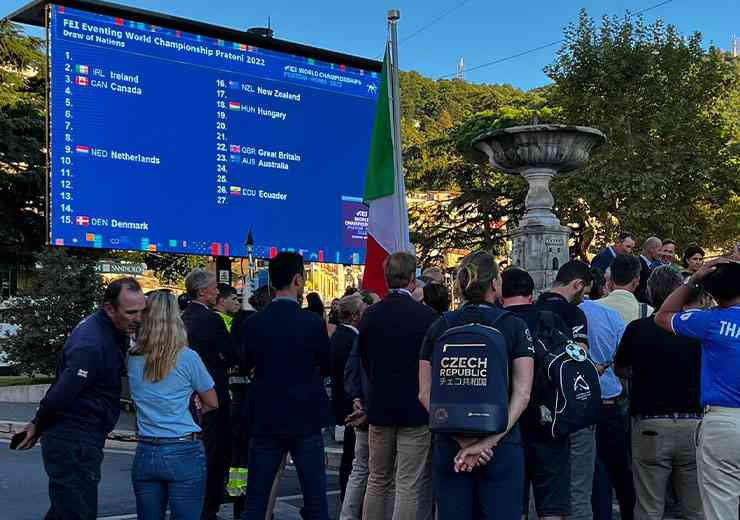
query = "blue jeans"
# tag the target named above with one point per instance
(173, 473)
(493, 491)
(74, 474)
(265, 454)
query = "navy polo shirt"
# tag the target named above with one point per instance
(718, 330)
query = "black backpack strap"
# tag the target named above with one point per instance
(454, 318)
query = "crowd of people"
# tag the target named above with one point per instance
(216, 386)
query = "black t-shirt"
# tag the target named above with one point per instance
(518, 342)
(571, 314)
(665, 369)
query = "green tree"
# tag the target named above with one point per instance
(66, 290)
(22, 142)
(485, 201)
(669, 108)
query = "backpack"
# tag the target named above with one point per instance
(566, 387)
(470, 375)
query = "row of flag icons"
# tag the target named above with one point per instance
(216, 248)
(120, 22)
(243, 47)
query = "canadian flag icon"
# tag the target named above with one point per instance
(82, 220)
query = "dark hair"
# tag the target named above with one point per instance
(113, 291)
(475, 274)
(662, 282)
(573, 270)
(624, 269)
(283, 268)
(692, 250)
(183, 301)
(598, 282)
(261, 298)
(624, 235)
(724, 282)
(515, 281)
(314, 304)
(399, 269)
(668, 241)
(225, 291)
(350, 290)
(437, 297)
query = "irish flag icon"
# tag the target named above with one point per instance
(82, 149)
(82, 69)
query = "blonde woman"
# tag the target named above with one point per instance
(169, 465)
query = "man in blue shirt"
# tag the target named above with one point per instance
(82, 405)
(605, 329)
(718, 450)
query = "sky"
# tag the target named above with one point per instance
(435, 34)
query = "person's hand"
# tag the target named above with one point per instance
(357, 418)
(707, 268)
(32, 436)
(478, 454)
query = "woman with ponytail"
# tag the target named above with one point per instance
(481, 477)
(169, 465)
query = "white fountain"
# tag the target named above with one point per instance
(538, 153)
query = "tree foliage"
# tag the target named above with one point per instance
(66, 290)
(439, 121)
(669, 109)
(22, 142)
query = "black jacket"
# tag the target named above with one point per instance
(83, 402)
(341, 346)
(391, 334)
(641, 291)
(289, 350)
(208, 336)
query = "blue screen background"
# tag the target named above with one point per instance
(189, 124)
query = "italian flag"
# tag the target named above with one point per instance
(385, 194)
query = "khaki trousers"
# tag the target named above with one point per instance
(718, 462)
(400, 456)
(664, 450)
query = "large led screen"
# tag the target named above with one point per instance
(164, 140)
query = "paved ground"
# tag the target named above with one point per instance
(23, 482)
(23, 488)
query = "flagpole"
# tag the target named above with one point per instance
(393, 72)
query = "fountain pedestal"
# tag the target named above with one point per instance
(538, 153)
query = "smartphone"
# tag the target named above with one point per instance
(17, 439)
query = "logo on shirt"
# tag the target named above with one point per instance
(686, 316)
(580, 384)
(82, 373)
(441, 415)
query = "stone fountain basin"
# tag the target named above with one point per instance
(560, 148)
